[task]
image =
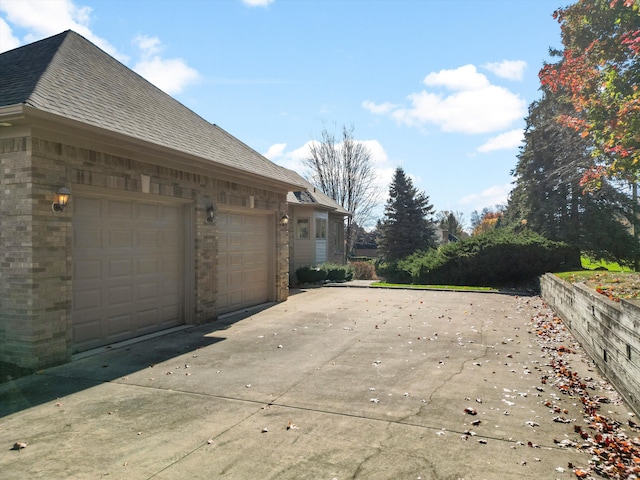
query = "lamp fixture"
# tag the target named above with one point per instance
(62, 197)
(210, 214)
(284, 220)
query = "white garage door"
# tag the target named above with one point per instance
(128, 269)
(243, 260)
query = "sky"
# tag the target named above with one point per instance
(440, 88)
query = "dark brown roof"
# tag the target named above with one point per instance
(69, 76)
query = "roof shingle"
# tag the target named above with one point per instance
(69, 76)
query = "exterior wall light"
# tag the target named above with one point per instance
(62, 197)
(284, 220)
(211, 213)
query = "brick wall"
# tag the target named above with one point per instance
(608, 331)
(35, 242)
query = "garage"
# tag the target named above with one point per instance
(128, 269)
(244, 260)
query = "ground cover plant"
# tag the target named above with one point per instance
(500, 257)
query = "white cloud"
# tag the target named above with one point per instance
(461, 78)
(7, 40)
(275, 151)
(494, 195)
(378, 109)
(257, 3)
(148, 45)
(509, 69)
(171, 75)
(472, 104)
(43, 18)
(504, 141)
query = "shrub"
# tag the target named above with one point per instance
(392, 273)
(498, 257)
(363, 270)
(337, 273)
(310, 275)
(326, 271)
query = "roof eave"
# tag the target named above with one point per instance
(124, 145)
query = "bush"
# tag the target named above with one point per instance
(337, 273)
(310, 275)
(392, 273)
(497, 258)
(326, 271)
(363, 270)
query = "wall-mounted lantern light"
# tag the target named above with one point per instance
(62, 198)
(284, 220)
(211, 213)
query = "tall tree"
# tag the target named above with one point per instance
(407, 226)
(488, 219)
(452, 223)
(344, 171)
(548, 197)
(600, 74)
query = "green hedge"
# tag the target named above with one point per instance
(326, 271)
(496, 258)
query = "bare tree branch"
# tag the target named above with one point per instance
(344, 171)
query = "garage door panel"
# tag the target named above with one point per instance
(88, 238)
(118, 326)
(120, 295)
(243, 260)
(120, 267)
(87, 270)
(148, 317)
(148, 238)
(91, 298)
(119, 208)
(127, 280)
(120, 238)
(147, 266)
(148, 291)
(86, 332)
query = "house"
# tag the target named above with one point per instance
(170, 221)
(316, 232)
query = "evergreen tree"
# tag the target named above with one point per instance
(548, 195)
(407, 226)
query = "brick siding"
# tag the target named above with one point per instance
(36, 245)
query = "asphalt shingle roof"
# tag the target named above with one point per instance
(69, 76)
(313, 196)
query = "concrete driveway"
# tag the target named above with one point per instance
(335, 383)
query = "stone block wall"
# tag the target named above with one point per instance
(36, 244)
(609, 331)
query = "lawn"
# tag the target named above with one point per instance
(433, 287)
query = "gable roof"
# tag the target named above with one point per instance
(68, 76)
(313, 196)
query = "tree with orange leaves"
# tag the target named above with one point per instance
(600, 73)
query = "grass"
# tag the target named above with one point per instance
(590, 264)
(433, 287)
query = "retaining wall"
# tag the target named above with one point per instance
(608, 331)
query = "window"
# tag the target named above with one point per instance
(302, 228)
(321, 228)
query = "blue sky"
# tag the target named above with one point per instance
(439, 87)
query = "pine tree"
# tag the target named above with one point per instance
(548, 196)
(407, 226)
